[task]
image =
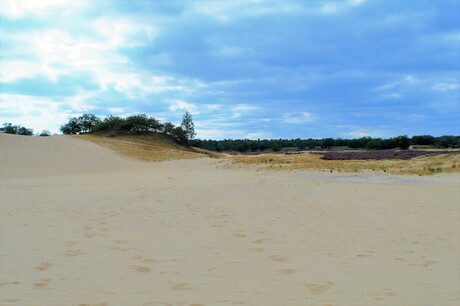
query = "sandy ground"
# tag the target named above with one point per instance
(83, 226)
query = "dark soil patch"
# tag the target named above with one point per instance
(382, 154)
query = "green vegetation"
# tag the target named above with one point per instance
(188, 126)
(275, 145)
(136, 124)
(45, 133)
(422, 165)
(9, 128)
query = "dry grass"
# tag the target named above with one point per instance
(148, 147)
(424, 165)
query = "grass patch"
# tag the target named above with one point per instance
(423, 165)
(148, 147)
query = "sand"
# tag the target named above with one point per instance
(81, 225)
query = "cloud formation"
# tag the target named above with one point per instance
(242, 68)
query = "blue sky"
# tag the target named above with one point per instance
(243, 69)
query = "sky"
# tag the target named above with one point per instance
(243, 69)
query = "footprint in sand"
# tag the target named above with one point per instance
(180, 286)
(44, 266)
(43, 282)
(389, 292)
(141, 269)
(258, 250)
(239, 235)
(89, 235)
(70, 243)
(320, 288)
(286, 271)
(73, 253)
(259, 241)
(279, 258)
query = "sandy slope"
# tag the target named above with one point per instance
(81, 225)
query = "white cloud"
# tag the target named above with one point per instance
(298, 117)
(228, 11)
(446, 86)
(33, 112)
(241, 109)
(258, 135)
(358, 133)
(13, 70)
(124, 32)
(230, 133)
(328, 8)
(57, 53)
(213, 107)
(20, 8)
(180, 105)
(117, 110)
(406, 81)
(356, 2)
(219, 133)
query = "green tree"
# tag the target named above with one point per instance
(375, 144)
(402, 142)
(188, 126)
(9, 128)
(327, 143)
(168, 128)
(87, 122)
(71, 127)
(422, 140)
(45, 133)
(83, 124)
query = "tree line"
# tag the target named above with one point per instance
(9, 128)
(185, 133)
(90, 123)
(275, 145)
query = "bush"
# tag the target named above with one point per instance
(9, 128)
(45, 133)
(83, 124)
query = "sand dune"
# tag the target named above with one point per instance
(81, 225)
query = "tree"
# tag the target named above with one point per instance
(179, 136)
(9, 128)
(25, 131)
(87, 122)
(83, 124)
(375, 144)
(402, 142)
(327, 143)
(168, 128)
(188, 126)
(422, 140)
(45, 133)
(71, 127)
(111, 123)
